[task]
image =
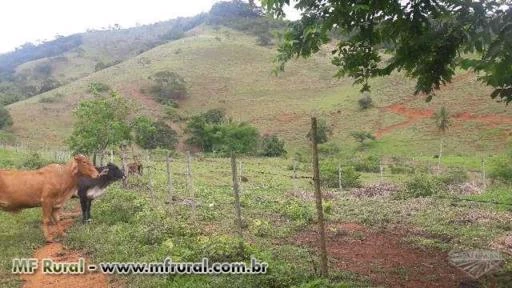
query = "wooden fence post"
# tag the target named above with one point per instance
(381, 171)
(125, 167)
(150, 181)
(190, 185)
(295, 188)
(240, 176)
(318, 196)
(170, 186)
(484, 180)
(236, 193)
(339, 178)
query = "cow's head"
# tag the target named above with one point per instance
(82, 166)
(113, 172)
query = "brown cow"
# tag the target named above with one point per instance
(134, 168)
(49, 187)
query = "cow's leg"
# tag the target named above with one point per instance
(83, 205)
(56, 215)
(89, 202)
(47, 215)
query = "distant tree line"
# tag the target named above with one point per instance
(29, 52)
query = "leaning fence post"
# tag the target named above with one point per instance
(318, 195)
(236, 193)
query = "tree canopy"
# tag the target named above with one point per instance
(100, 122)
(427, 39)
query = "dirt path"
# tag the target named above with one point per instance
(59, 253)
(414, 115)
(385, 258)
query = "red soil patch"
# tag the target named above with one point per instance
(384, 257)
(59, 253)
(414, 115)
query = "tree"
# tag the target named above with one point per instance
(426, 38)
(213, 133)
(442, 121)
(100, 123)
(5, 118)
(152, 135)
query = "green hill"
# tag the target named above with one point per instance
(231, 69)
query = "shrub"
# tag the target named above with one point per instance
(168, 87)
(329, 175)
(272, 146)
(34, 161)
(209, 132)
(364, 138)
(48, 84)
(422, 185)
(152, 135)
(98, 87)
(454, 176)
(500, 168)
(369, 164)
(365, 102)
(264, 40)
(5, 118)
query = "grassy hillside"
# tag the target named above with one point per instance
(225, 68)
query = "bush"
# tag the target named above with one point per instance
(272, 146)
(365, 102)
(500, 168)
(364, 138)
(98, 87)
(168, 87)
(152, 135)
(209, 132)
(422, 185)
(34, 161)
(454, 176)
(264, 40)
(369, 164)
(5, 118)
(329, 175)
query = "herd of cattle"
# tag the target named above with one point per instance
(51, 186)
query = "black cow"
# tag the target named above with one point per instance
(90, 189)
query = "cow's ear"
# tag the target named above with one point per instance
(74, 168)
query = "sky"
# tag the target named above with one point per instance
(23, 21)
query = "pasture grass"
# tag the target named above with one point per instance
(131, 225)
